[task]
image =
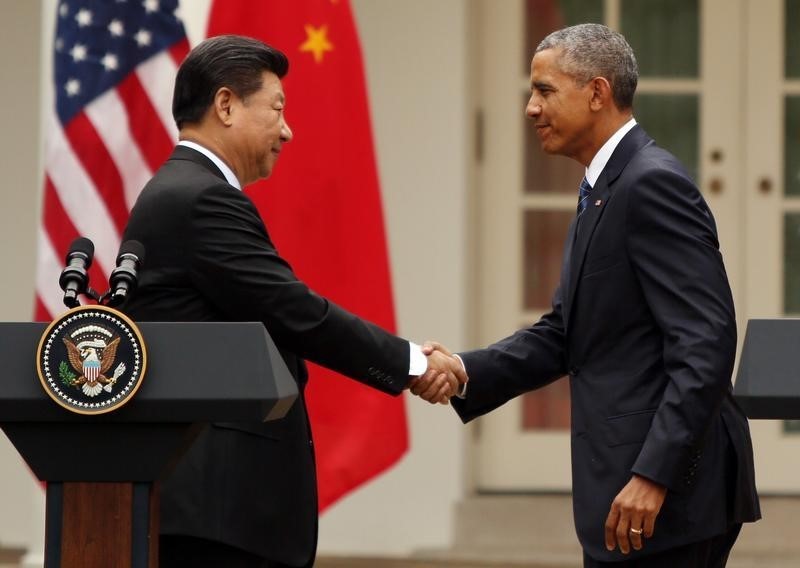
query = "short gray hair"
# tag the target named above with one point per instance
(593, 50)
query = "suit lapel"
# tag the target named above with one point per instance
(602, 192)
(584, 227)
(566, 275)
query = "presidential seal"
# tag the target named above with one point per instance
(91, 360)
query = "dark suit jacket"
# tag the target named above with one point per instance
(643, 323)
(209, 258)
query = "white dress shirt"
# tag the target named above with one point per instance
(604, 153)
(230, 177)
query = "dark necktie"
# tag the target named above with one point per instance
(583, 194)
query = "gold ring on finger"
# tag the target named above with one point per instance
(637, 531)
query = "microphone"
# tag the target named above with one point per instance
(124, 277)
(74, 278)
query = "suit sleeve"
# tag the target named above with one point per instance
(529, 359)
(673, 247)
(236, 266)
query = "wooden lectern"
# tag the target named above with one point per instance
(101, 471)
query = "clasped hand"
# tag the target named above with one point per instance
(444, 376)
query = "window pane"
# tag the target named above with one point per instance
(664, 35)
(545, 232)
(547, 408)
(673, 121)
(791, 426)
(791, 146)
(791, 263)
(792, 39)
(791, 283)
(545, 16)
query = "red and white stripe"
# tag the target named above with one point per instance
(91, 372)
(95, 167)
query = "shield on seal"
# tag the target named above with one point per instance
(91, 370)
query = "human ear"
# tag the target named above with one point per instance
(601, 93)
(223, 102)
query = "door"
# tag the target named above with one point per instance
(690, 99)
(771, 188)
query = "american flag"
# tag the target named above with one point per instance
(109, 129)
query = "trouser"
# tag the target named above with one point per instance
(709, 553)
(177, 551)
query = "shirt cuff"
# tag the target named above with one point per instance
(462, 391)
(417, 362)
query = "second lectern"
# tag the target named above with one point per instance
(768, 381)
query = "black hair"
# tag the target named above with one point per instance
(232, 61)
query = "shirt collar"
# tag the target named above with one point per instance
(604, 154)
(230, 177)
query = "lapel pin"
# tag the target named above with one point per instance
(598, 203)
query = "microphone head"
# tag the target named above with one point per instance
(81, 245)
(134, 248)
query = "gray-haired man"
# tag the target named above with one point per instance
(642, 322)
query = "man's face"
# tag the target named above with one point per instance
(559, 107)
(261, 128)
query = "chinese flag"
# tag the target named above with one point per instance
(322, 206)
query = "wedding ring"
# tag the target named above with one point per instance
(637, 531)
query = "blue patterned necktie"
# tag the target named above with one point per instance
(583, 194)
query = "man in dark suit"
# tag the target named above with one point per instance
(642, 322)
(245, 494)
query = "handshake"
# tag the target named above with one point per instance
(444, 378)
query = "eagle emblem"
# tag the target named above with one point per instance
(91, 360)
(91, 352)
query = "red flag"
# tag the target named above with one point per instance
(322, 207)
(109, 129)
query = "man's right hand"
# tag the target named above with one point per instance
(444, 376)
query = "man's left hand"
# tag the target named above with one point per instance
(633, 514)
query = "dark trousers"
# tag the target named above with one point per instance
(711, 553)
(176, 551)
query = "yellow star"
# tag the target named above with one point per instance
(317, 42)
